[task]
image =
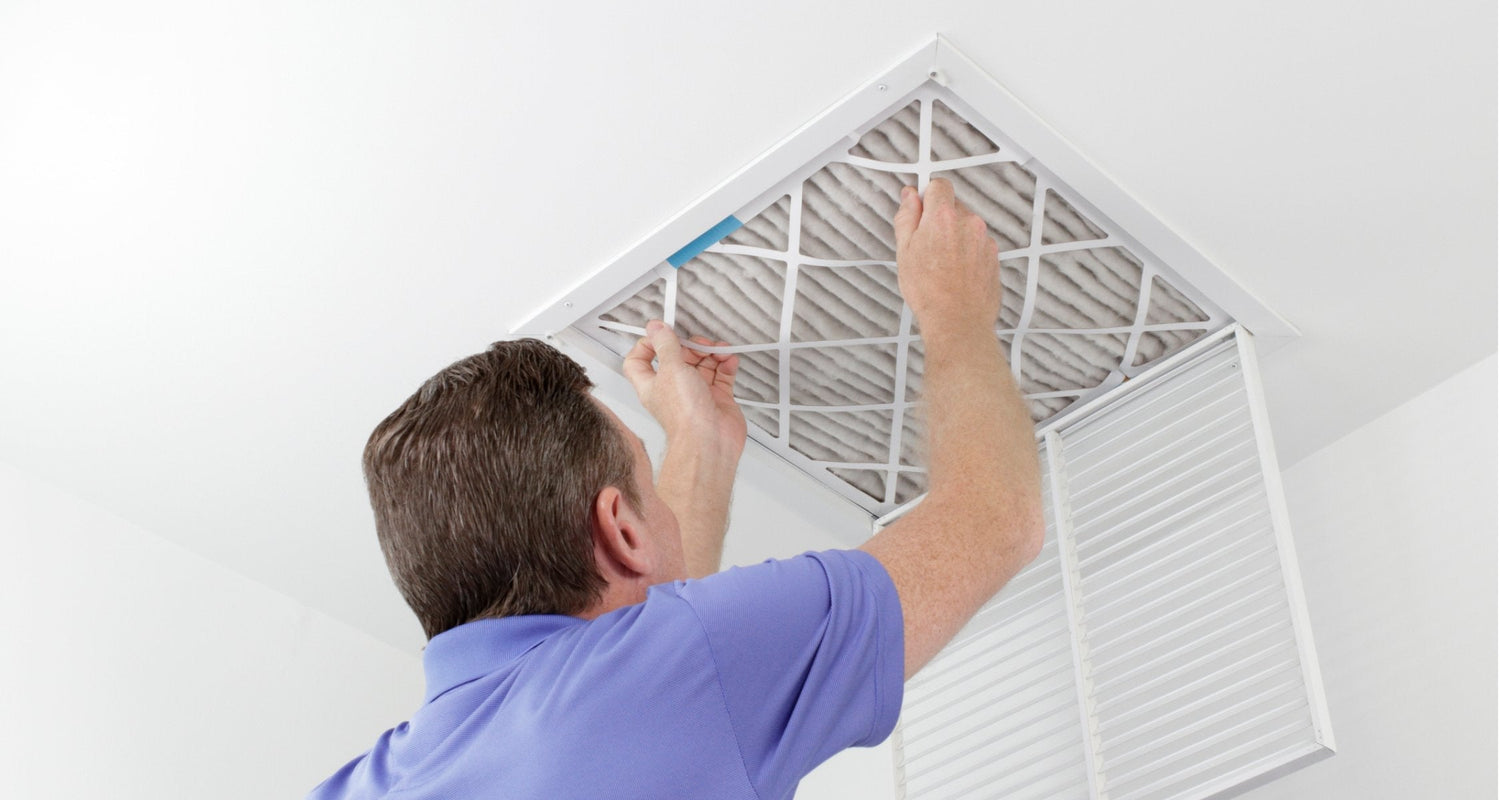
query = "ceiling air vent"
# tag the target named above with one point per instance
(801, 278)
(1158, 648)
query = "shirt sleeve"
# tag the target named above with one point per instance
(810, 654)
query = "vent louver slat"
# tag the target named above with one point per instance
(971, 729)
(1182, 624)
(1179, 669)
(1124, 562)
(1192, 702)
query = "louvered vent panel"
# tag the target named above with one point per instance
(996, 714)
(1171, 610)
(1193, 656)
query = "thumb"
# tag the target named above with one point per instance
(908, 215)
(637, 367)
(664, 341)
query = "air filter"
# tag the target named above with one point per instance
(801, 281)
(806, 292)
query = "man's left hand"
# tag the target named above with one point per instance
(689, 392)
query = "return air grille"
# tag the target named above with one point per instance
(1017, 730)
(1157, 648)
(806, 292)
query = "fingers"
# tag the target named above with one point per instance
(637, 367)
(974, 221)
(705, 363)
(939, 196)
(978, 229)
(668, 348)
(915, 207)
(662, 345)
(715, 368)
(695, 357)
(729, 367)
(908, 214)
(659, 344)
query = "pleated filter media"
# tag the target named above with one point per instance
(831, 358)
(1159, 646)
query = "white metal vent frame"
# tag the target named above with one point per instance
(1061, 546)
(950, 77)
(938, 61)
(885, 455)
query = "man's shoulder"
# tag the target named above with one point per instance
(799, 584)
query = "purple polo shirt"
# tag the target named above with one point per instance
(734, 686)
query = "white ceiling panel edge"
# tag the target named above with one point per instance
(738, 191)
(941, 63)
(995, 104)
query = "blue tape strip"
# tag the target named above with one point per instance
(707, 240)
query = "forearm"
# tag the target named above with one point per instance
(695, 481)
(691, 395)
(982, 449)
(981, 519)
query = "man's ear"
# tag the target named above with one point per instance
(620, 544)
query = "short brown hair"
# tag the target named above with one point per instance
(483, 484)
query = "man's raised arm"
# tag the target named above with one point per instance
(981, 521)
(691, 394)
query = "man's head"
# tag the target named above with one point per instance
(492, 485)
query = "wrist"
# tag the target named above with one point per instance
(963, 332)
(703, 433)
(702, 447)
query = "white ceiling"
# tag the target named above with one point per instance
(232, 240)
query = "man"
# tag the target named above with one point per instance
(581, 646)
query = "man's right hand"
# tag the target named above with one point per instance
(948, 264)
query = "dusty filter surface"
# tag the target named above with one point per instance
(831, 358)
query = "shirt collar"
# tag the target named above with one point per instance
(459, 655)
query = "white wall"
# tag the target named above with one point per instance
(135, 669)
(1396, 532)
